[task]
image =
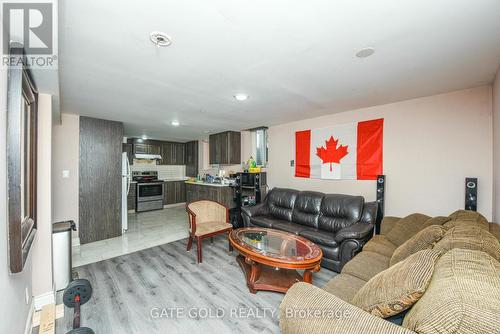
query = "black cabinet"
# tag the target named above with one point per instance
(175, 192)
(225, 148)
(192, 158)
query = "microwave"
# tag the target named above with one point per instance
(254, 180)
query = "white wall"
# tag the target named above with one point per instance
(14, 310)
(430, 145)
(65, 156)
(496, 147)
(42, 247)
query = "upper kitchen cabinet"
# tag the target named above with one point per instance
(225, 148)
(192, 158)
(147, 147)
(172, 153)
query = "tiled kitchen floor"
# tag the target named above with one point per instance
(145, 230)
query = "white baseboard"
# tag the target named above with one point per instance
(44, 299)
(29, 320)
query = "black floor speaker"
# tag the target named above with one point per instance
(471, 193)
(380, 202)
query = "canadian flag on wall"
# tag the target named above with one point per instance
(347, 151)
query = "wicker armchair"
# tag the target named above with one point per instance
(206, 219)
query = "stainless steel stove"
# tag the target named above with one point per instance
(150, 191)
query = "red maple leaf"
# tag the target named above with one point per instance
(331, 154)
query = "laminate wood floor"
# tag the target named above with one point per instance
(163, 290)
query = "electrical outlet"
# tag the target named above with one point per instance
(27, 295)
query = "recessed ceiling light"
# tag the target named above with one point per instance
(366, 52)
(175, 123)
(144, 137)
(241, 97)
(160, 38)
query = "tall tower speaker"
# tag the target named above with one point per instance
(380, 202)
(471, 193)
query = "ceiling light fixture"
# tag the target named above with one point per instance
(366, 52)
(144, 137)
(241, 97)
(175, 123)
(160, 38)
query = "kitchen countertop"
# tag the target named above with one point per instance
(208, 184)
(183, 178)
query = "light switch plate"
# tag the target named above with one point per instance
(65, 174)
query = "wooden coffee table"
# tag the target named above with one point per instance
(270, 258)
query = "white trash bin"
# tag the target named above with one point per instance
(61, 253)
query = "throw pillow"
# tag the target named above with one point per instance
(399, 287)
(406, 227)
(469, 237)
(424, 239)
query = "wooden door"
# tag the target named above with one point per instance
(100, 180)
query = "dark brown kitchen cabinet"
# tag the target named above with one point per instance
(172, 153)
(129, 149)
(225, 148)
(131, 196)
(192, 158)
(221, 194)
(147, 148)
(175, 192)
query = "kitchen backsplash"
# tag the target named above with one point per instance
(164, 171)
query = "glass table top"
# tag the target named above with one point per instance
(276, 244)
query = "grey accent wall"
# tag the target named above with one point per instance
(100, 179)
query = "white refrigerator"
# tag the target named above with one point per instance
(126, 177)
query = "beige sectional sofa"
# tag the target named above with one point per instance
(463, 295)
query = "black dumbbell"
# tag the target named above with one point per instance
(77, 293)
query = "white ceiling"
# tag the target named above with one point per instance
(294, 58)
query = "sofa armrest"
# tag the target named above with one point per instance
(388, 223)
(369, 215)
(307, 309)
(256, 210)
(355, 231)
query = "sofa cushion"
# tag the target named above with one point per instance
(495, 230)
(306, 208)
(470, 237)
(264, 221)
(406, 228)
(280, 202)
(381, 245)
(319, 237)
(399, 287)
(344, 286)
(466, 217)
(463, 296)
(289, 227)
(424, 239)
(339, 211)
(366, 264)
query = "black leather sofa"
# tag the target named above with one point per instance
(339, 224)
